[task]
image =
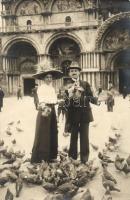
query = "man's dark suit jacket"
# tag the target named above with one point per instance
(80, 111)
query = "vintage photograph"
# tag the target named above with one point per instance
(64, 99)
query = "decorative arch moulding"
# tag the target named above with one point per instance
(27, 7)
(106, 25)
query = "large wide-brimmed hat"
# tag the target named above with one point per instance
(56, 74)
(74, 65)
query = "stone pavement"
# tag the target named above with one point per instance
(100, 129)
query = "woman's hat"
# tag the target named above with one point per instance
(44, 70)
(74, 65)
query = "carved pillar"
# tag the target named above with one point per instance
(88, 55)
(94, 58)
(81, 60)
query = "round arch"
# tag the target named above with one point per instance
(53, 1)
(13, 41)
(111, 62)
(54, 37)
(106, 25)
(21, 1)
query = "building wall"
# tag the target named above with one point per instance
(88, 27)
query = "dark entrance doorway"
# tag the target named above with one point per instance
(29, 84)
(124, 80)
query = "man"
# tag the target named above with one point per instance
(79, 113)
(19, 93)
(35, 96)
(1, 98)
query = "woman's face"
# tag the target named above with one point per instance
(48, 78)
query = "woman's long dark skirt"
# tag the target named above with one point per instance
(46, 138)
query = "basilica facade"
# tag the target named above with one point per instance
(95, 33)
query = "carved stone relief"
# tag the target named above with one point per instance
(66, 5)
(28, 7)
(117, 39)
(107, 24)
(27, 67)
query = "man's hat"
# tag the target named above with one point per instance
(45, 69)
(74, 65)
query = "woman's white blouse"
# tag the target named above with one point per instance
(46, 94)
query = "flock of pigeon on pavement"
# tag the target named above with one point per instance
(65, 178)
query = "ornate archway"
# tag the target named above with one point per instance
(19, 64)
(110, 24)
(63, 51)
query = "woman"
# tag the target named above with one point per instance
(46, 135)
(110, 101)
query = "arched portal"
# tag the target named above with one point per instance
(63, 51)
(122, 64)
(19, 65)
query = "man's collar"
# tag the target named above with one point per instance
(75, 80)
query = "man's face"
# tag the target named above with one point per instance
(74, 73)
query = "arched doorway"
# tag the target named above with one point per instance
(20, 65)
(122, 63)
(63, 51)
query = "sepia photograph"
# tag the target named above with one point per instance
(64, 99)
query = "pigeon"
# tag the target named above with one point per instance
(9, 195)
(128, 160)
(11, 123)
(109, 184)
(49, 186)
(81, 181)
(114, 128)
(119, 163)
(18, 186)
(3, 180)
(113, 140)
(95, 147)
(57, 197)
(16, 165)
(126, 169)
(8, 132)
(118, 158)
(111, 147)
(19, 129)
(20, 154)
(18, 122)
(105, 158)
(12, 176)
(13, 141)
(108, 175)
(87, 195)
(1, 143)
(10, 161)
(107, 195)
(3, 150)
(117, 135)
(32, 170)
